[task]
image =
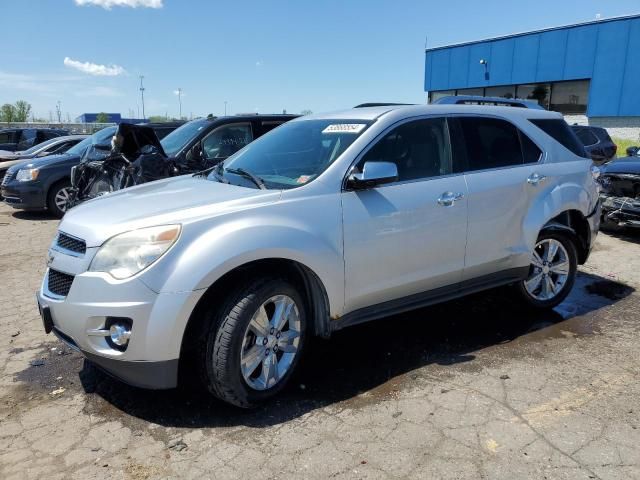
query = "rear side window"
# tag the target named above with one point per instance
(586, 136)
(490, 143)
(561, 133)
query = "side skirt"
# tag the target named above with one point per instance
(424, 299)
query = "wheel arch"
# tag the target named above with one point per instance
(574, 224)
(312, 289)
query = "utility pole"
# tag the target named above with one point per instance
(180, 102)
(142, 95)
(59, 112)
(225, 107)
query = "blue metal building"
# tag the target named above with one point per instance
(112, 118)
(590, 69)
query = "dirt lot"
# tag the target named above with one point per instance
(471, 389)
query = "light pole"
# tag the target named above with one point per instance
(59, 112)
(180, 102)
(142, 95)
(225, 107)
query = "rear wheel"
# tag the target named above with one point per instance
(58, 198)
(254, 342)
(552, 272)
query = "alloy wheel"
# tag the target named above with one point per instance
(271, 342)
(549, 270)
(61, 199)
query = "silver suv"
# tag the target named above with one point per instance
(327, 221)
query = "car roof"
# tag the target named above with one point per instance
(64, 138)
(406, 111)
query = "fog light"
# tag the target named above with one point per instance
(120, 334)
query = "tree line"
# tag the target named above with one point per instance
(18, 112)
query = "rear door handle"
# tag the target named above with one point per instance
(535, 178)
(447, 199)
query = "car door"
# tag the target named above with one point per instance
(502, 171)
(408, 236)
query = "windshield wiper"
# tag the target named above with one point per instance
(243, 173)
(218, 171)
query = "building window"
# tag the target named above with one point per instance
(433, 96)
(539, 92)
(570, 97)
(476, 92)
(507, 91)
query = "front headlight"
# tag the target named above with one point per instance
(126, 254)
(27, 174)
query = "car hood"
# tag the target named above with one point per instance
(628, 165)
(50, 160)
(173, 200)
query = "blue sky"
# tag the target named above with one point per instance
(258, 55)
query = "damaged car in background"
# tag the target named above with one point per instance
(620, 191)
(136, 156)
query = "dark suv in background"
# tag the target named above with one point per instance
(597, 143)
(12, 139)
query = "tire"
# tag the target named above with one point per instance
(227, 356)
(542, 294)
(58, 197)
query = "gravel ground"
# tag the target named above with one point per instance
(475, 388)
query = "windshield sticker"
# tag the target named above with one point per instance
(345, 128)
(302, 179)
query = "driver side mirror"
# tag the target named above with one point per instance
(373, 174)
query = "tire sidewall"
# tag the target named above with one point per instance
(246, 306)
(569, 245)
(53, 191)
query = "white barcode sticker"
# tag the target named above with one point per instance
(344, 128)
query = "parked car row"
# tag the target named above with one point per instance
(190, 147)
(323, 223)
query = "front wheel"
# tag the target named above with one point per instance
(254, 342)
(552, 272)
(58, 198)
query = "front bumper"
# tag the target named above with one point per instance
(24, 195)
(158, 322)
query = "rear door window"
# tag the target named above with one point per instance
(490, 143)
(560, 131)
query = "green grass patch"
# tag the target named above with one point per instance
(623, 144)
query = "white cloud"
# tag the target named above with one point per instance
(94, 68)
(259, 63)
(107, 4)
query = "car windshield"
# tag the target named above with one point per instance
(39, 146)
(292, 155)
(101, 137)
(180, 137)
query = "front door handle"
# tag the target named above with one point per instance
(535, 178)
(447, 199)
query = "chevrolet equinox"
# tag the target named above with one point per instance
(325, 222)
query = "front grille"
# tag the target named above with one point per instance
(59, 283)
(71, 243)
(7, 177)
